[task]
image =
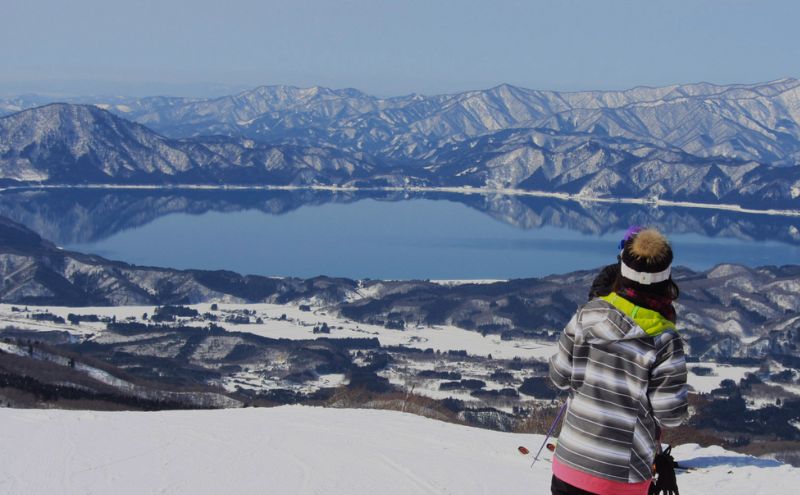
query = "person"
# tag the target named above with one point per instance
(603, 283)
(623, 363)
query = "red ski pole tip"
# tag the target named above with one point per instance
(523, 450)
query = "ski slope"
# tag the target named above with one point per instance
(304, 450)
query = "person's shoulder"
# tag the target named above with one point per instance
(598, 309)
(597, 304)
(668, 338)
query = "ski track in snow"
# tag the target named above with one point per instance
(305, 450)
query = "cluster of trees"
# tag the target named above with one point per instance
(47, 392)
(78, 319)
(463, 384)
(237, 319)
(47, 316)
(170, 313)
(727, 411)
(539, 387)
(322, 328)
(439, 375)
(701, 370)
(500, 375)
(503, 393)
(785, 376)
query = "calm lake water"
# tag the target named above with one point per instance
(425, 239)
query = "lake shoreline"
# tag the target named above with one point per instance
(654, 202)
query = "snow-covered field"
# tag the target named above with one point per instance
(299, 324)
(705, 384)
(303, 450)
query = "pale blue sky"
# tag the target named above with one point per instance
(390, 47)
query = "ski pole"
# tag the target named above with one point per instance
(550, 432)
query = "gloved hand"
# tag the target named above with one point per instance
(665, 484)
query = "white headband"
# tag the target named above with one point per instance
(643, 278)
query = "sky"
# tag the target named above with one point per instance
(386, 48)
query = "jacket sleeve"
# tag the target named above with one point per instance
(667, 390)
(561, 361)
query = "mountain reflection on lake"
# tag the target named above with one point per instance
(385, 235)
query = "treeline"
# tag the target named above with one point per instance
(726, 410)
(49, 393)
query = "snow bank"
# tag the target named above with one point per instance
(302, 450)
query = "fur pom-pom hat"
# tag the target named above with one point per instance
(646, 259)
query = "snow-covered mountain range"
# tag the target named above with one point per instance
(735, 143)
(74, 144)
(745, 121)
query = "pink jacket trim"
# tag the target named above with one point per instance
(595, 484)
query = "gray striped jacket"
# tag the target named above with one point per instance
(626, 372)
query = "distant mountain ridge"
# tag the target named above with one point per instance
(727, 116)
(73, 144)
(699, 142)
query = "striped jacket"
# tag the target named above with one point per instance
(626, 372)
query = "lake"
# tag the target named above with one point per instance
(397, 236)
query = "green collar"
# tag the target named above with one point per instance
(650, 321)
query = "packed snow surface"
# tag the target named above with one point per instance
(304, 450)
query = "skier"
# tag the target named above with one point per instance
(622, 361)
